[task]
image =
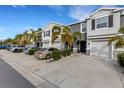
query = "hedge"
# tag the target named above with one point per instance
(56, 55)
(120, 58)
(66, 52)
(31, 51)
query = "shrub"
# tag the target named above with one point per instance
(31, 51)
(56, 55)
(66, 52)
(120, 58)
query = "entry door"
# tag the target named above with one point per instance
(83, 46)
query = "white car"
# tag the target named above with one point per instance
(16, 48)
(26, 49)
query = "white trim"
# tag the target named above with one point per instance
(90, 46)
(115, 10)
(80, 27)
(101, 36)
(112, 50)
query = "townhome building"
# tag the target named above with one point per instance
(101, 25)
(47, 36)
(96, 30)
(80, 27)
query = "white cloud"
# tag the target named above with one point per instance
(17, 6)
(2, 29)
(80, 12)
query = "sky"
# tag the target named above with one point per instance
(15, 19)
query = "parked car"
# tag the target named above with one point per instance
(26, 49)
(44, 53)
(3, 46)
(0, 46)
(17, 48)
(8, 47)
(11, 46)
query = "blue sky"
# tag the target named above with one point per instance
(17, 19)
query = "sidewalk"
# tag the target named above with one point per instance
(73, 71)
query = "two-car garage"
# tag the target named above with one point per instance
(100, 48)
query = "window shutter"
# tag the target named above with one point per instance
(93, 24)
(110, 21)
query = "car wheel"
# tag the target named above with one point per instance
(48, 56)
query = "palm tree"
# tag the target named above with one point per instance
(33, 36)
(66, 36)
(118, 39)
(77, 36)
(18, 39)
(55, 33)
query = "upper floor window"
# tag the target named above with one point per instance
(48, 33)
(44, 34)
(102, 22)
(84, 27)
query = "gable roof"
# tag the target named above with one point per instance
(105, 8)
(54, 23)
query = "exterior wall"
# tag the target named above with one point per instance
(78, 28)
(104, 31)
(47, 39)
(75, 27)
(122, 21)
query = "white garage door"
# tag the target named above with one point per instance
(45, 44)
(100, 48)
(57, 45)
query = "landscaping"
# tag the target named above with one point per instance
(56, 55)
(120, 57)
(32, 51)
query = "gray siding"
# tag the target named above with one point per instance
(122, 21)
(75, 27)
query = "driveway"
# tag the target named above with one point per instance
(75, 71)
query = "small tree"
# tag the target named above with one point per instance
(118, 39)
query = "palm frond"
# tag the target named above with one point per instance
(76, 35)
(114, 38)
(54, 38)
(66, 29)
(121, 30)
(119, 44)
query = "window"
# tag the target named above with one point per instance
(93, 24)
(83, 27)
(48, 33)
(102, 22)
(111, 21)
(44, 34)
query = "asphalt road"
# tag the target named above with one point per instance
(9, 78)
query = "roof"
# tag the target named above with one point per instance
(55, 23)
(114, 9)
(76, 23)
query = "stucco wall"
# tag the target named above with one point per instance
(122, 21)
(104, 31)
(75, 27)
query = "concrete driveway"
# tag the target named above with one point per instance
(77, 71)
